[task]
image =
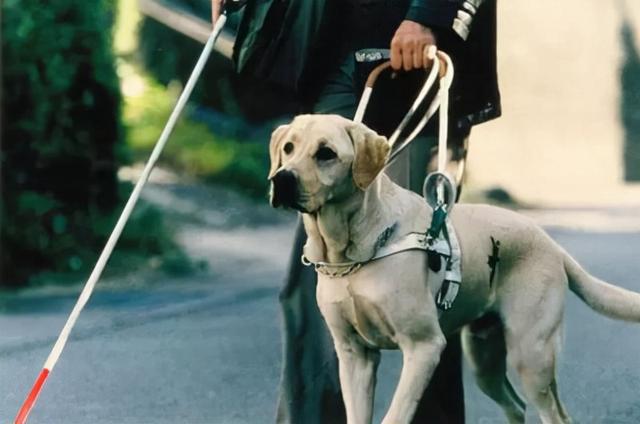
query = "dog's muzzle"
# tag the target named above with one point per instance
(284, 189)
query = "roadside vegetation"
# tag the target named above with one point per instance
(195, 149)
(82, 97)
(63, 141)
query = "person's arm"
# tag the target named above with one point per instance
(415, 33)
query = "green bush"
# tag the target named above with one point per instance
(61, 134)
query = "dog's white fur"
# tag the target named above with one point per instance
(389, 303)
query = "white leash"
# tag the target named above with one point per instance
(122, 220)
(439, 187)
(440, 102)
(426, 87)
(445, 190)
(443, 131)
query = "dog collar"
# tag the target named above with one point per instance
(333, 269)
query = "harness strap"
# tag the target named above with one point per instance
(412, 241)
(446, 246)
(446, 279)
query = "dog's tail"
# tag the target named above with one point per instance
(607, 299)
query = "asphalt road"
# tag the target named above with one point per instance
(207, 349)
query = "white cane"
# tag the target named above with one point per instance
(51, 361)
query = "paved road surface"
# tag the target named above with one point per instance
(207, 349)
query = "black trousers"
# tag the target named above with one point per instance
(309, 388)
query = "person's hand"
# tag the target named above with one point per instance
(216, 9)
(409, 44)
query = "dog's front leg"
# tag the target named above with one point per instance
(420, 359)
(358, 365)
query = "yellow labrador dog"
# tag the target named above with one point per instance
(329, 168)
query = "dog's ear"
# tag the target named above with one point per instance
(275, 153)
(371, 151)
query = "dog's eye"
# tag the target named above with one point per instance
(324, 153)
(288, 148)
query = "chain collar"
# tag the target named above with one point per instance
(343, 269)
(334, 270)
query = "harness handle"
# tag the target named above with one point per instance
(368, 89)
(438, 62)
(442, 67)
(375, 73)
(439, 188)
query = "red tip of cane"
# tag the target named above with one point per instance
(21, 418)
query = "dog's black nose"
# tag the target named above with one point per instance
(285, 189)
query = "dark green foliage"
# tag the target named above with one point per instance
(61, 134)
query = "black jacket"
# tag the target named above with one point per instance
(470, 39)
(295, 43)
